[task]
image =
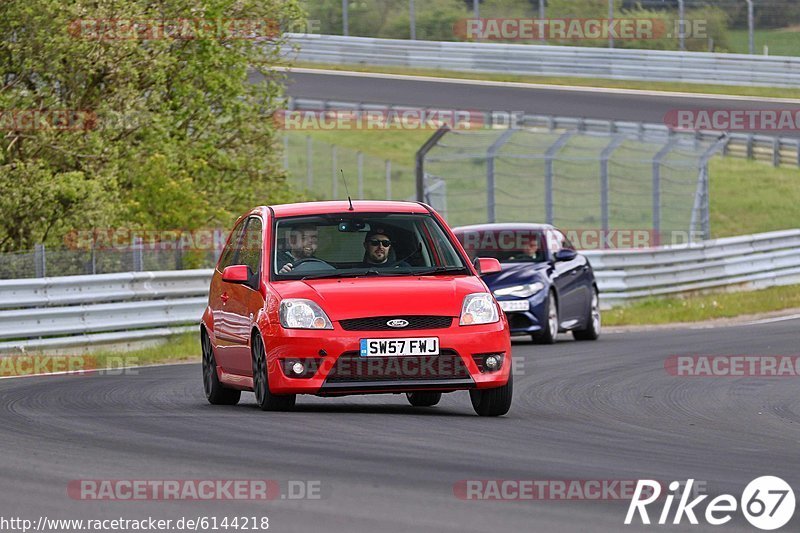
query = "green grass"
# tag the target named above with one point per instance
(774, 92)
(703, 307)
(377, 146)
(399, 146)
(752, 197)
(177, 348)
(781, 42)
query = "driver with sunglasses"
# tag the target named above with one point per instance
(377, 246)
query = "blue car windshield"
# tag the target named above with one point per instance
(507, 246)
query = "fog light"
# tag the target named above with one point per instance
(298, 368)
(492, 362)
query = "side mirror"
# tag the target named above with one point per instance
(236, 274)
(565, 255)
(487, 265)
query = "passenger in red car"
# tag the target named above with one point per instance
(378, 250)
(377, 245)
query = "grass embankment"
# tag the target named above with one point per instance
(178, 348)
(780, 42)
(697, 308)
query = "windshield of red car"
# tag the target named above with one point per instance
(349, 245)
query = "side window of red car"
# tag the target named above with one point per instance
(228, 255)
(250, 250)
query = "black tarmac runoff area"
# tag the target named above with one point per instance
(607, 410)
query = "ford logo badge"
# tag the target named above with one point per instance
(397, 323)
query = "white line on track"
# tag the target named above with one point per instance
(771, 320)
(524, 85)
(92, 371)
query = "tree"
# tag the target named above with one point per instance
(153, 126)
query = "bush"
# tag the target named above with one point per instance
(175, 135)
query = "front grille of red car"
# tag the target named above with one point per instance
(351, 368)
(380, 323)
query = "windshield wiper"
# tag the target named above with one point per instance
(439, 270)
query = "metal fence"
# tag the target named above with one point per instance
(734, 263)
(74, 311)
(99, 257)
(746, 21)
(319, 169)
(536, 60)
(313, 168)
(577, 180)
(778, 151)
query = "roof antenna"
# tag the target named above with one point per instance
(346, 190)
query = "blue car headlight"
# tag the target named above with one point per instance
(521, 291)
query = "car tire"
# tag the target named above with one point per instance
(493, 402)
(216, 393)
(264, 397)
(424, 398)
(593, 321)
(549, 334)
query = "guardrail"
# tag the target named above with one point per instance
(58, 313)
(543, 60)
(779, 151)
(735, 263)
(74, 311)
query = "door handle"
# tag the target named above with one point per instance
(224, 297)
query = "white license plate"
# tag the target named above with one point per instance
(510, 306)
(399, 347)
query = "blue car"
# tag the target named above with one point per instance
(545, 286)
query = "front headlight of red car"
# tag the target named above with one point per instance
(478, 308)
(298, 313)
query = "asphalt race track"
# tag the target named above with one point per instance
(605, 410)
(575, 102)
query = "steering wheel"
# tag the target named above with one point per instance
(309, 260)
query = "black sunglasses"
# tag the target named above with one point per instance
(385, 242)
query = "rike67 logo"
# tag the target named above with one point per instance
(767, 503)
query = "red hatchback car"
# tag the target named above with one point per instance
(334, 298)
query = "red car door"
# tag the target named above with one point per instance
(219, 301)
(245, 298)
